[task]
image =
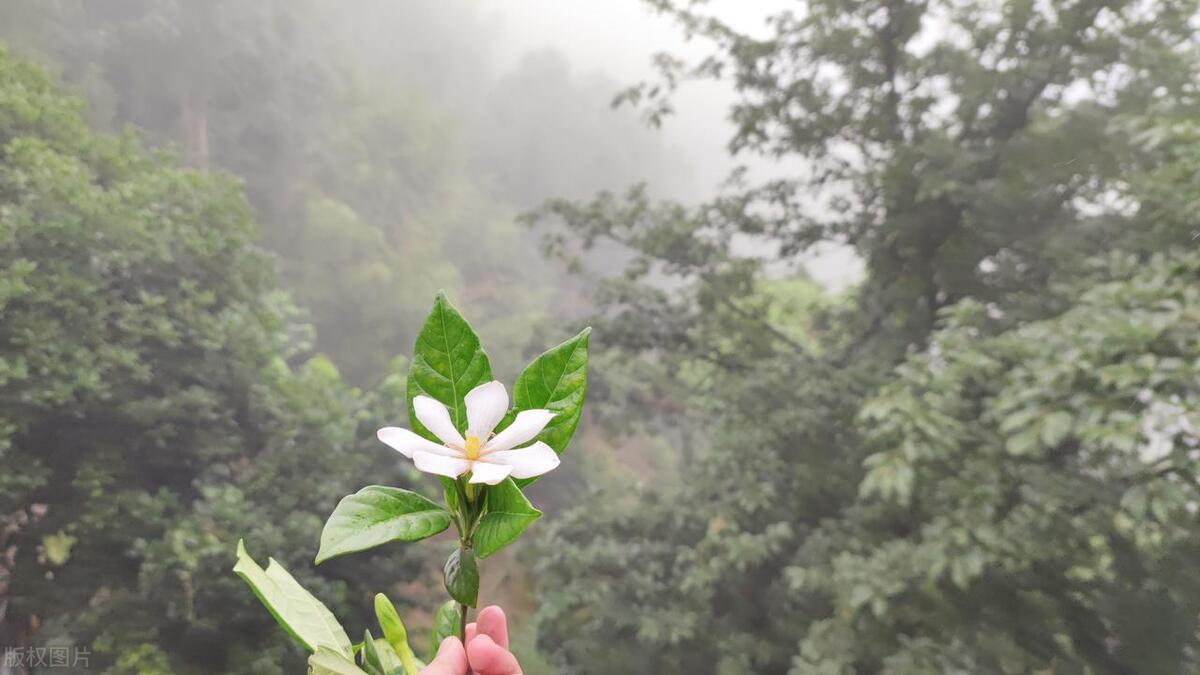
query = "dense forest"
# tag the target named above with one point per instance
(221, 225)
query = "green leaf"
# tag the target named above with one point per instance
(556, 381)
(508, 514)
(445, 624)
(377, 515)
(462, 576)
(450, 494)
(370, 656)
(389, 660)
(302, 615)
(1055, 427)
(329, 662)
(447, 363)
(395, 633)
(379, 658)
(1022, 443)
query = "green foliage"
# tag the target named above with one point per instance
(395, 633)
(160, 400)
(508, 512)
(979, 462)
(461, 574)
(351, 147)
(982, 461)
(447, 363)
(315, 628)
(329, 662)
(445, 624)
(555, 381)
(376, 515)
(301, 615)
(378, 657)
(997, 445)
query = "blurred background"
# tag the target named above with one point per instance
(896, 362)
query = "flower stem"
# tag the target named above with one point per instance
(470, 508)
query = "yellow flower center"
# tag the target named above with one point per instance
(471, 449)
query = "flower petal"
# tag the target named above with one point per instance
(486, 405)
(486, 472)
(529, 423)
(450, 467)
(406, 442)
(436, 418)
(535, 460)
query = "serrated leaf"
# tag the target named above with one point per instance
(445, 624)
(461, 575)
(329, 662)
(508, 514)
(447, 363)
(395, 633)
(556, 381)
(377, 515)
(300, 613)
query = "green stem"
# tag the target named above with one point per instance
(462, 624)
(469, 516)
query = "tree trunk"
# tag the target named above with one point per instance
(196, 36)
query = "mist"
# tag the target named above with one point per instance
(651, 336)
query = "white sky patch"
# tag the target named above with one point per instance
(619, 38)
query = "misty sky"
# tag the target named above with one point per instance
(618, 38)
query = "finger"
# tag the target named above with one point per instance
(472, 631)
(488, 658)
(451, 659)
(494, 624)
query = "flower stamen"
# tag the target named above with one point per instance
(471, 448)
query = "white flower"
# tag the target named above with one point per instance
(489, 457)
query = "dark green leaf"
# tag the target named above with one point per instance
(447, 363)
(377, 515)
(556, 381)
(508, 514)
(462, 576)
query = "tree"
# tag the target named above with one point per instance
(159, 400)
(1036, 488)
(358, 176)
(975, 156)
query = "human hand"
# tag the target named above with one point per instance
(486, 652)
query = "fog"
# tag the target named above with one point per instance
(328, 328)
(618, 39)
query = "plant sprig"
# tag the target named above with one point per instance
(483, 451)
